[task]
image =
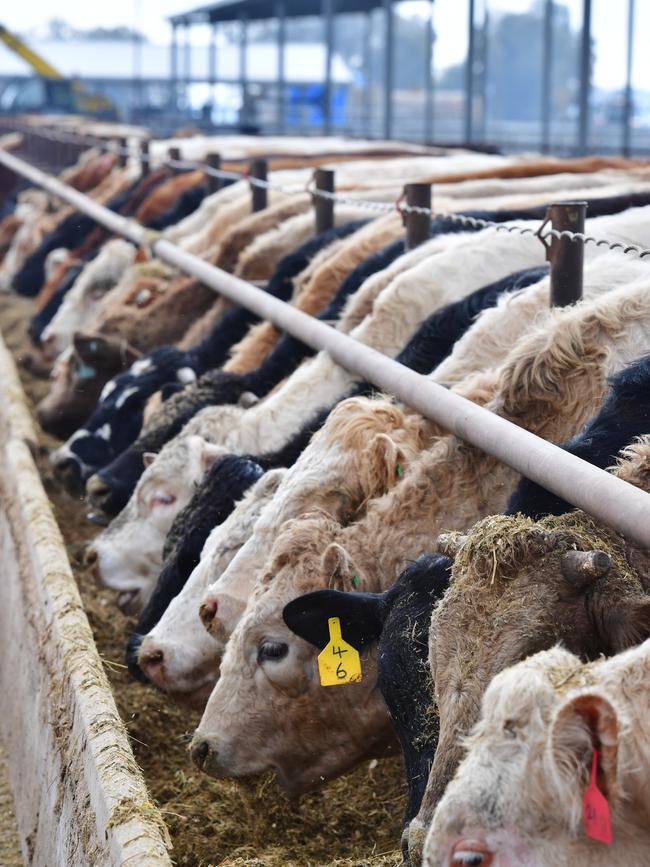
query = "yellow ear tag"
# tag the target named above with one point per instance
(338, 662)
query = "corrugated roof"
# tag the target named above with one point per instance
(233, 10)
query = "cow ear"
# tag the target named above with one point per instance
(204, 452)
(336, 566)
(210, 455)
(384, 461)
(583, 724)
(450, 544)
(148, 458)
(626, 623)
(360, 614)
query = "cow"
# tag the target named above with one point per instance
(188, 670)
(78, 378)
(80, 302)
(551, 727)
(599, 606)
(397, 622)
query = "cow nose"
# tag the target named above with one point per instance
(68, 472)
(200, 749)
(208, 611)
(97, 492)
(470, 852)
(417, 833)
(90, 555)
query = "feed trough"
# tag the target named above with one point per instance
(79, 795)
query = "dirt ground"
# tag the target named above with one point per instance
(10, 855)
(352, 822)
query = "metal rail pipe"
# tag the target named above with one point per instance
(607, 498)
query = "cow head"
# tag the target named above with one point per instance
(176, 653)
(517, 796)
(78, 377)
(520, 587)
(129, 551)
(268, 709)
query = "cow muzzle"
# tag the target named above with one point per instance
(204, 754)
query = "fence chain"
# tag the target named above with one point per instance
(337, 198)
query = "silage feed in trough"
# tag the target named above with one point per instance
(354, 821)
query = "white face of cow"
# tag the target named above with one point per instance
(515, 800)
(269, 710)
(129, 551)
(186, 657)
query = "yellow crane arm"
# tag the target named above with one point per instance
(38, 63)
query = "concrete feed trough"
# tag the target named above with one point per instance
(80, 798)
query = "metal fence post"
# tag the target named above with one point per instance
(144, 156)
(174, 155)
(565, 255)
(418, 225)
(259, 195)
(324, 207)
(122, 155)
(214, 183)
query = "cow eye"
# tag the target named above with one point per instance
(161, 499)
(272, 650)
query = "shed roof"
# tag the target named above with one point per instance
(233, 10)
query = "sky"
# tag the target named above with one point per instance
(450, 16)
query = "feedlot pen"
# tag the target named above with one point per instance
(350, 822)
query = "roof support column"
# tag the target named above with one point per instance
(327, 13)
(469, 74)
(173, 67)
(243, 69)
(212, 63)
(628, 105)
(187, 71)
(547, 75)
(367, 74)
(389, 51)
(280, 14)
(428, 77)
(585, 78)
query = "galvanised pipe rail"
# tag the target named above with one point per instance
(609, 499)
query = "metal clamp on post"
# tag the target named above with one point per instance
(565, 254)
(323, 205)
(417, 214)
(258, 169)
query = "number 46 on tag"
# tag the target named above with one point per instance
(338, 662)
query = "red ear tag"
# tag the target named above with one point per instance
(595, 809)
